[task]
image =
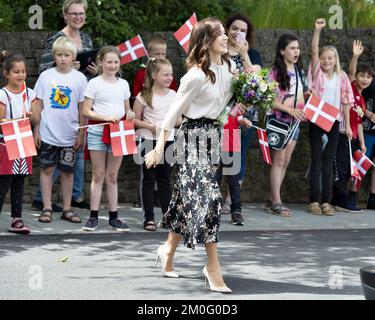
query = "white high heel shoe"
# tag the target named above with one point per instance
(212, 287)
(163, 259)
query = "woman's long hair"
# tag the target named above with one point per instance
(279, 64)
(202, 36)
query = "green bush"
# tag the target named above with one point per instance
(114, 20)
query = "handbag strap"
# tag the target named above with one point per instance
(296, 94)
(10, 103)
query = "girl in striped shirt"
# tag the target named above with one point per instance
(14, 104)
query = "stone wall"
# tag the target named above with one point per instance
(295, 188)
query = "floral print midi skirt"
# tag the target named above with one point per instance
(194, 209)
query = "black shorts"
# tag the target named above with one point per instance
(61, 157)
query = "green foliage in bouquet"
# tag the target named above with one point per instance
(254, 89)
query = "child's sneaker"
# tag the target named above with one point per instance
(90, 225)
(237, 219)
(18, 226)
(349, 207)
(118, 225)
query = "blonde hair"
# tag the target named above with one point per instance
(337, 68)
(101, 54)
(153, 66)
(64, 44)
(68, 3)
(155, 40)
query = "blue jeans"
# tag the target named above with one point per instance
(370, 144)
(79, 178)
(246, 134)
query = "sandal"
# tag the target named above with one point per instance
(18, 226)
(70, 216)
(150, 226)
(280, 209)
(314, 208)
(327, 209)
(45, 216)
(267, 205)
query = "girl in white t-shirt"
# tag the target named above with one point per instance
(106, 100)
(16, 101)
(151, 107)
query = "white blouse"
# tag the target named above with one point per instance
(197, 97)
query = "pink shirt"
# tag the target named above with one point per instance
(317, 81)
(283, 94)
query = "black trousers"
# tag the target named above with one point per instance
(16, 185)
(322, 162)
(233, 177)
(342, 172)
(161, 174)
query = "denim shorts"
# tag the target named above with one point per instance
(95, 143)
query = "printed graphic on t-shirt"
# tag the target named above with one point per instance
(60, 97)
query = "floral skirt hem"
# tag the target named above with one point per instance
(195, 206)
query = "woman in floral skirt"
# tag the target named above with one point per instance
(194, 210)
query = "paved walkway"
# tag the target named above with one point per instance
(256, 219)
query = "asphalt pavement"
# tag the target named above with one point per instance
(269, 258)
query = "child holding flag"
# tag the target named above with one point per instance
(331, 84)
(106, 100)
(16, 101)
(361, 78)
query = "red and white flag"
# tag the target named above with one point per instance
(363, 164)
(18, 139)
(24, 93)
(123, 138)
(321, 113)
(232, 136)
(132, 49)
(183, 34)
(353, 168)
(263, 141)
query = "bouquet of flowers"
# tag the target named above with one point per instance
(254, 90)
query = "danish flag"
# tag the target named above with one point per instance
(321, 113)
(132, 49)
(353, 168)
(363, 164)
(263, 141)
(123, 138)
(183, 34)
(232, 136)
(18, 139)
